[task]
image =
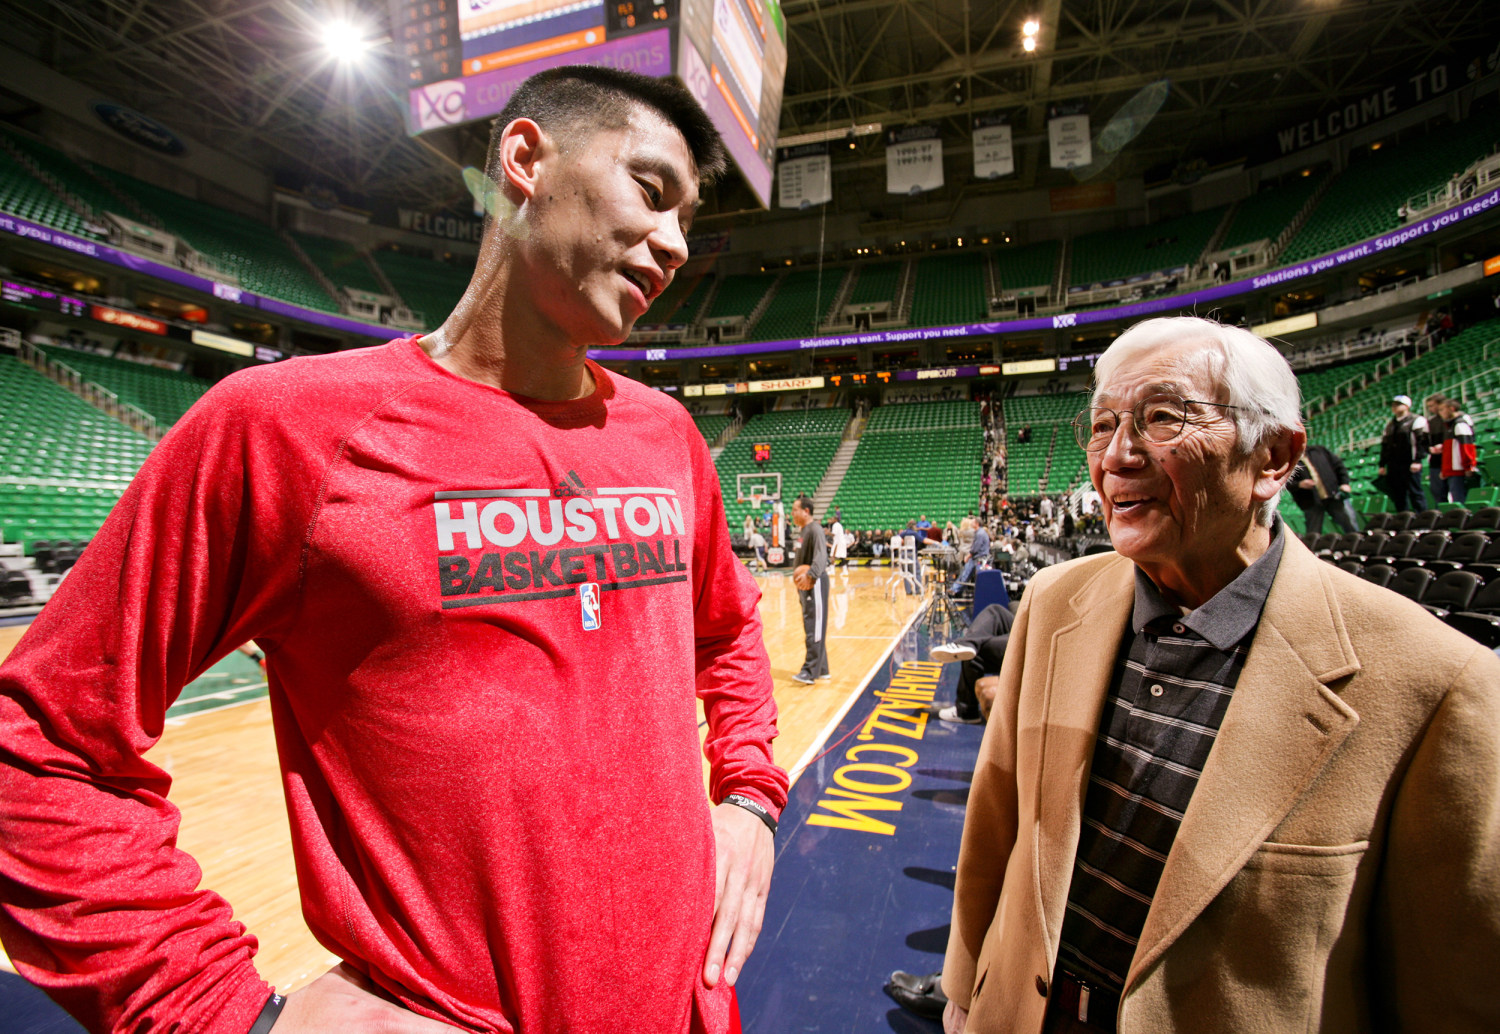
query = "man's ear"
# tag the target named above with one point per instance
(1276, 459)
(523, 147)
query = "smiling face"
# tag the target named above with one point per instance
(1185, 507)
(609, 219)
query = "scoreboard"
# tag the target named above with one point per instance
(463, 59)
(426, 38)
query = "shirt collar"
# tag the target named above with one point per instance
(1234, 610)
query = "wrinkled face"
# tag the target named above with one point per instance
(1188, 498)
(610, 220)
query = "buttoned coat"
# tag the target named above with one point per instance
(1338, 867)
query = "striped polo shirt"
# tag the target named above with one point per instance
(1173, 678)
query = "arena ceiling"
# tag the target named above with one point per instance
(249, 76)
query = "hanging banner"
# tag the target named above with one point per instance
(913, 160)
(804, 176)
(993, 156)
(1068, 132)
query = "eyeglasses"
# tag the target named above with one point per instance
(1158, 419)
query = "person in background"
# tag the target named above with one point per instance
(981, 651)
(811, 579)
(1320, 485)
(1402, 447)
(838, 542)
(1460, 455)
(1436, 483)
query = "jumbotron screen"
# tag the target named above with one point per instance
(730, 53)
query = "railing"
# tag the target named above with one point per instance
(96, 395)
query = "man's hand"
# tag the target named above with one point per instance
(802, 579)
(743, 856)
(954, 1018)
(1306, 483)
(344, 1000)
(1416, 468)
(1346, 490)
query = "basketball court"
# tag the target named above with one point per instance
(864, 855)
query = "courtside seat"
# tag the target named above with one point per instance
(1399, 521)
(1428, 547)
(1454, 519)
(1354, 567)
(1462, 551)
(1369, 546)
(1482, 620)
(1380, 574)
(1397, 546)
(1412, 583)
(1451, 592)
(1425, 521)
(1485, 519)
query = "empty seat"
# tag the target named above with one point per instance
(1425, 521)
(1411, 583)
(1354, 567)
(1464, 550)
(1398, 545)
(1455, 519)
(1482, 620)
(1450, 592)
(1487, 519)
(1429, 547)
(1380, 574)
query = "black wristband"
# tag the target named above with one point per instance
(758, 810)
(268, 1014)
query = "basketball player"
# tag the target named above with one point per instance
(490, 579)
(810, 576)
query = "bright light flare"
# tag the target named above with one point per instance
(1028, 44)
(1031, 28)
(345, 40)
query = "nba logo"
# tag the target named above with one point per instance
(588, 596)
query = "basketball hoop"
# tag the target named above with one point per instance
(755, 500)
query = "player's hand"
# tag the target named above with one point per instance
(743, 856)
(954, 1018)
(344, 1000)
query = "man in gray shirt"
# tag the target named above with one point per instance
(811, 579)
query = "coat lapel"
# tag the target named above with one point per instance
(1080, 665)
(1281, 727)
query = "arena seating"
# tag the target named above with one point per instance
(877, 282)
(1117, 255)
(1365, 199)
(711, 425)
(1050, 418)
(431, 288)
(1264, 215)
(738, 295)
(680, 302)
(950, 289)
(913, 458)
(165, 394)
(1032, 265)
(248, 249)
(72, 177)
(65, 463)
(802, 445)
(795, 308)
(340, 261)
(23, 195)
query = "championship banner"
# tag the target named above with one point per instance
(913, 160)
(993, 155)
(804, 176)
(1068, 133)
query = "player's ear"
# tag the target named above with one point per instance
(523, 148)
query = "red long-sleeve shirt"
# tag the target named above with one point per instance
(485, 619)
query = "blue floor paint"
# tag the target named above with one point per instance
(847, 905)
(26, 1010)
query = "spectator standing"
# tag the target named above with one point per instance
(1435, 437)
(1460, 456)
(1320, 485)
(1402, 447)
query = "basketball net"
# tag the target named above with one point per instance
(755, 500)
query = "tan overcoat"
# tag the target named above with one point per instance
(1338, 868)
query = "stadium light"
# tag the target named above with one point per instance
(1031, 28)
(345, 40)
(1028, 44)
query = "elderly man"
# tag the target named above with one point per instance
(1224, 786)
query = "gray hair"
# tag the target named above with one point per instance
(1259, 382)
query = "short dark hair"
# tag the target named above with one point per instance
(805, 502)
(574, 101)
